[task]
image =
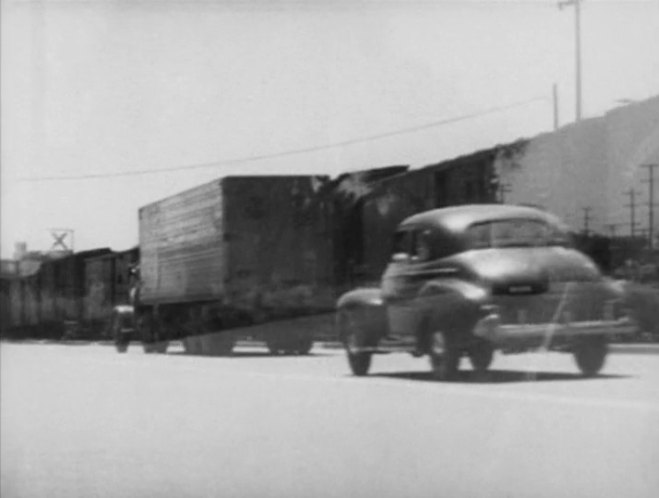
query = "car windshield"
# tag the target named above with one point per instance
(515, 233)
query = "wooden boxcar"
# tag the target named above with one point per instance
(233, 252)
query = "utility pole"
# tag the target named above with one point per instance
(586, 219)
(632, 210)
(650, 182)
(577, 30)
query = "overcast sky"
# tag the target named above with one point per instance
(92, 88)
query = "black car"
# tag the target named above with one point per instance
(469, 280)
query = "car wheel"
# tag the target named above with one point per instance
(359, 361)
(480, 356)
(444, 356)
(590, 353)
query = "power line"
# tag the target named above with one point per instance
(291, 152)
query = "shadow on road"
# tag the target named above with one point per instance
(499, 376)
(251, 354)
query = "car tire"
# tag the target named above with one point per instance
(590, 354)
(359, 361)
(445, 356)
(481, 355)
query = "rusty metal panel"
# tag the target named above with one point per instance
(16, 303)
(182, 247)
(5, 304)
(280, 249)
(98, 298)
(66, 294)
(46, 293)
(464, 180)
(31, 296)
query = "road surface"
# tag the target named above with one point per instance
(84, 421)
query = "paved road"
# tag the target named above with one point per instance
(83, 421)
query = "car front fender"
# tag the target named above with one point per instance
(365, 310)
(361, 298)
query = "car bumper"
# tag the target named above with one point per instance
(491, 328)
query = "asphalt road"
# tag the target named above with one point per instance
(84, 421)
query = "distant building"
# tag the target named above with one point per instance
(584, 171)
(27, 262)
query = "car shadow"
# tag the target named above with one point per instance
(251, 354)
(498, 377)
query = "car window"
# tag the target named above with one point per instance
(402, 245)
(515, 233)
(413, 245)
(421, 248)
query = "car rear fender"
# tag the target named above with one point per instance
(452, 303)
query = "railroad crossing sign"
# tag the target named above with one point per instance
(63, 239)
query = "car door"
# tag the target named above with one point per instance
(403, 278)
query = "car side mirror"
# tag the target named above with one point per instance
(400, 257)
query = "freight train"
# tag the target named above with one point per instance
(264, 256)
(261, 257)
(68, 297)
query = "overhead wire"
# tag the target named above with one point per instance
(289, 152)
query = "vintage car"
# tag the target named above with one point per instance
(470, 280)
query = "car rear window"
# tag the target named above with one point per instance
(515, 233)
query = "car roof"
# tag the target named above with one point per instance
(458, 218)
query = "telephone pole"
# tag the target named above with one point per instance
(632, 210)
(577, 29)
(650, 182)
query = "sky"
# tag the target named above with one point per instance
(109, 105)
